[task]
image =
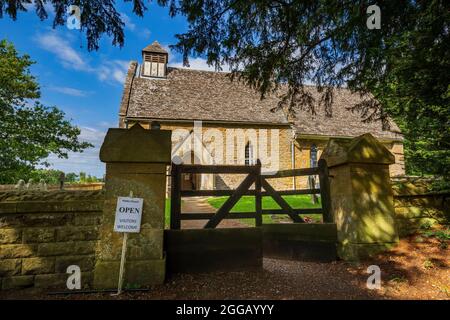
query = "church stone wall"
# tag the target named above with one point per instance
(302, 157)
(302, 147)
(227, 181)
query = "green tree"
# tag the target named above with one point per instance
(29, 131)
(415, 90)
(402, 69)
(50, 176)
(98, 17)
(71, 177)
(82, 177)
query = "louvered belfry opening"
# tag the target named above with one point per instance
(155, 60)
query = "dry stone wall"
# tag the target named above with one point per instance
(417, 207)
(43, 233)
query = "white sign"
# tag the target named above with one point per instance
(128, 214)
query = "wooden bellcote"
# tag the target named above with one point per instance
(154, 61)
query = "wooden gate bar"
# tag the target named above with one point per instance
(231, 201)
(192, 168)
(246, 215)
(220, 193)
(253, 176)
(175, 200)
(294, 172)
(281, 202)
(209, 215)
(295, 192)
(295, 211)
(325, 190)
(258, 197)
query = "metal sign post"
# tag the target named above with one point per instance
(128, 219)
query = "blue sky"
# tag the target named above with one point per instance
(87, 86)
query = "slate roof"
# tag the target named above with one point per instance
(210, 96)
(154, 47)
(344, 122)
(199, 95)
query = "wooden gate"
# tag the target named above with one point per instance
(253, 176)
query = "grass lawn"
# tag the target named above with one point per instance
(247, 204)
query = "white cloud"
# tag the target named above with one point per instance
(68, 57)
(92, 135)
(198, 64)
(119, 75)
(145, 33)
(108, 71)
(128, 23)
(115, 70)
(106, 124)
(70, 91)
(87, 161)
(172, 54)
(194, 63)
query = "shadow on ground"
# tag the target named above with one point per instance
(413, 270)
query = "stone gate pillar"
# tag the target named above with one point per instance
(361, 195)
(136, 161)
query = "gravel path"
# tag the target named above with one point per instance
(413, 270)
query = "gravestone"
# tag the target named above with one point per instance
(20, 186)
(30, 185)
(136, 161)
(361, 195)
(42, 186)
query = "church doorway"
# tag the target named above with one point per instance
(191, 181)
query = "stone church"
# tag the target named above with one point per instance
(176, 99)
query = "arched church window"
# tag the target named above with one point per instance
(313, 156)
(249, 159)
